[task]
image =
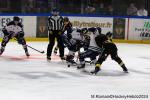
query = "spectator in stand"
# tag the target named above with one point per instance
(100, 9)
(90, 9)
(41, 6)
(28, 7)
(142, 11)
(110, 10)
(132, 10)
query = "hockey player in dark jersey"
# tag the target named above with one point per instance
(67, 25)
(14, 29)
(67, 28)
(109, 36)
(93, 49)
(109, 49)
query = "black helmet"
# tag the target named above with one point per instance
(66, 19)
(84, 30)
(55, 11)
(99, 30)
(92, 29)
(16, 18)
(108, 34)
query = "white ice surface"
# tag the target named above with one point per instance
(35, 78)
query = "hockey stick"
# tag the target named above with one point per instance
(33, 48)
(78, 56)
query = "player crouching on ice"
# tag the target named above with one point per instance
(74, 41)
(14, 29)
(93, 50)
(109, 48)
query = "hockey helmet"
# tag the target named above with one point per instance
(92, 29)
(66, 19)
(55, 12)
(99, 30)
(109, 34)
(84, 30)
(78, 30)
(15, 18)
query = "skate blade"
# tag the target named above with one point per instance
(84, 71)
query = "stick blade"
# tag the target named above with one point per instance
(42, 52)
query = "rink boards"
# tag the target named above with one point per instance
(128, 30)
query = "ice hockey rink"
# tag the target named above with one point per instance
(35, 78)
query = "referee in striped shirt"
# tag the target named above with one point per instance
(55, 27)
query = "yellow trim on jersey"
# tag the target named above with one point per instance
(98, 65)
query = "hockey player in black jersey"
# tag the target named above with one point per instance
(14, 29)
(109, 36)
(109, 48)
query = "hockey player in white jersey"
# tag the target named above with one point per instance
(93, 49)
(14, 29)
(73, 42)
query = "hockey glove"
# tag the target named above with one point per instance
(20, 34)
(50, 32)
(20, 40)
(73, 41)
(60, 32)
(69, 45)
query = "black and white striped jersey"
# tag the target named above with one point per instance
(55, 23)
